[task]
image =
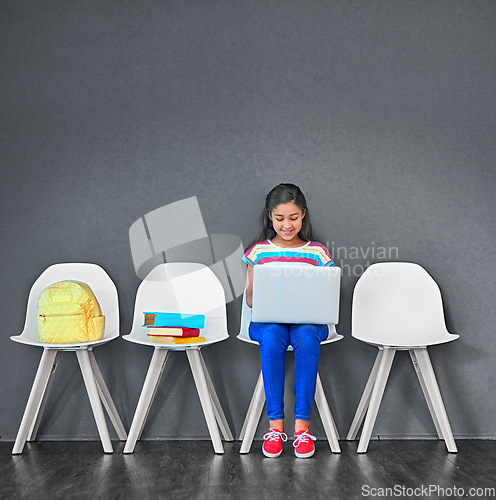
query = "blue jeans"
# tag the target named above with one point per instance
(274, 340)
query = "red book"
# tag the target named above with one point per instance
(172, 331)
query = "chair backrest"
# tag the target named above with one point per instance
(245, 323)
(182, 287)
(398, 304)
(92, 274)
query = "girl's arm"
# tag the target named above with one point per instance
(249, 285)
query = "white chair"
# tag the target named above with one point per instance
(106, 293)
(181, 287)
(258, 399)
(398, 306)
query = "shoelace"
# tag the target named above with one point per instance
(303, 438)
(273, 435)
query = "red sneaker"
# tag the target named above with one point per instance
(303, 444)
(272, 446)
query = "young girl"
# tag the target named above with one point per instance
(286, 236)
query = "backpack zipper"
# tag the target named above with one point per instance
(52, 315)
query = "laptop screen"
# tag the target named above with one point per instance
(296, 294)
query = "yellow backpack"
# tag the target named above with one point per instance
(69, 313)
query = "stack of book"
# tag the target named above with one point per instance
(174, 328)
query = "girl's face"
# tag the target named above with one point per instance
(287, 219)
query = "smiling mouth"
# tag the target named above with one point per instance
(287, 233)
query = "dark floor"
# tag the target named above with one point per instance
(191, 470)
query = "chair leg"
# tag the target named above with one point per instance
(150, 385)
(150, 402)
(219, 413)
(326, 417)
(376, 397)
(432, 387)
(36, 421)
(253, 416)
(365, 399)
(33, 405)
(205, 399)
(427, 396)
(252, 402)
(96, 404)
(106, 398)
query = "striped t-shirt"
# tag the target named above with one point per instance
(311, 252)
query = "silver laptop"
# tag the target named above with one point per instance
(296, 293)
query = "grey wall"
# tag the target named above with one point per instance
(383, 112)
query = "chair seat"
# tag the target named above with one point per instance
(65, 347)
(176, 347)
(334, 338)
(427, 340)
(405, 346)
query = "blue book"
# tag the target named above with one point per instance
(174, 319)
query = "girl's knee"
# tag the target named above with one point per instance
(308, 336)
(319, 331)
(271, 335)
(309, 344)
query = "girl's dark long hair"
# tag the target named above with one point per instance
(283, 193)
